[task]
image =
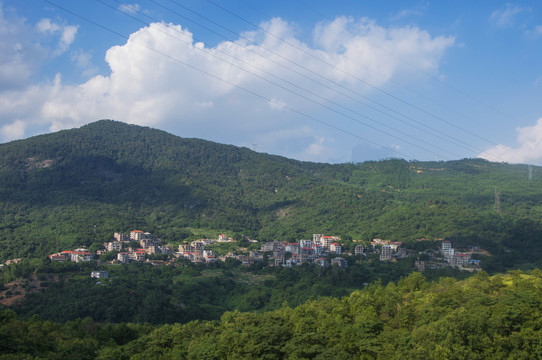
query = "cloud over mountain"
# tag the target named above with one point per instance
(163, 77)
(529, 150)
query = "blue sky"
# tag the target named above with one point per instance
(313, 80)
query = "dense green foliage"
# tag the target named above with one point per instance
(184, 292)
(483, 317)
(77, 187)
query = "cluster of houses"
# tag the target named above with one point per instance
(283, 253)
(450, 257)
(314, 251)
(77, 255)
(456, 258)
(321, 250)
(148, 245)
(123, 244)
(389, 250)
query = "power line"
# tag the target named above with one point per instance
(435, 78)
(346, 73)
(268, 100)
(280, 86)
(438, 134)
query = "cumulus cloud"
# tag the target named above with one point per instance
(362, 49)
(66, 34)
(154, 82)
(529, 150)
(12, 131)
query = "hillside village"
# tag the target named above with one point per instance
(322, 250)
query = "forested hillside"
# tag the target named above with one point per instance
(76, 187)
(482, 317)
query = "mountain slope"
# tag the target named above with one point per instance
(76, 187)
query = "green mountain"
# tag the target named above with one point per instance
(77, 187)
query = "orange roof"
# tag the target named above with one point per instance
(136, 231)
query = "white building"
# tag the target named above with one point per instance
(99, 274)
(359, 250)
(136, 235)
(305, 243)
(114, 246)
(123, 257)
(336, 248)
(121, 237)
(385, 253)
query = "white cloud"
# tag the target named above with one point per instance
(12, 131)
(67, 38)
(506, 17)
(418, 10)
(130, 8)
(20, 56)
(528, 152)
(362, 49)
(66, 34)
(46, 26)
(147, 88)
(405, 13)
(277, 104)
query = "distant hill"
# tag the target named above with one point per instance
(76, 187)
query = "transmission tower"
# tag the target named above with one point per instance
(497, 206)
(530, 172)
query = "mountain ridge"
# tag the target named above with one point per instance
(76, 187)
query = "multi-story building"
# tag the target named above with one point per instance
(336, 248)
(359, 250)
(138, 255)
(58, 257)
(137, 235)
(123, 257)
(271, 246)
(326, 241)
(318, 249)
(113, 246)
(419, 265)
(305, 243)
(185, 248)
(316, 238)
(81, 255)
(121, 237)
(385, 253)
(292, 248)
